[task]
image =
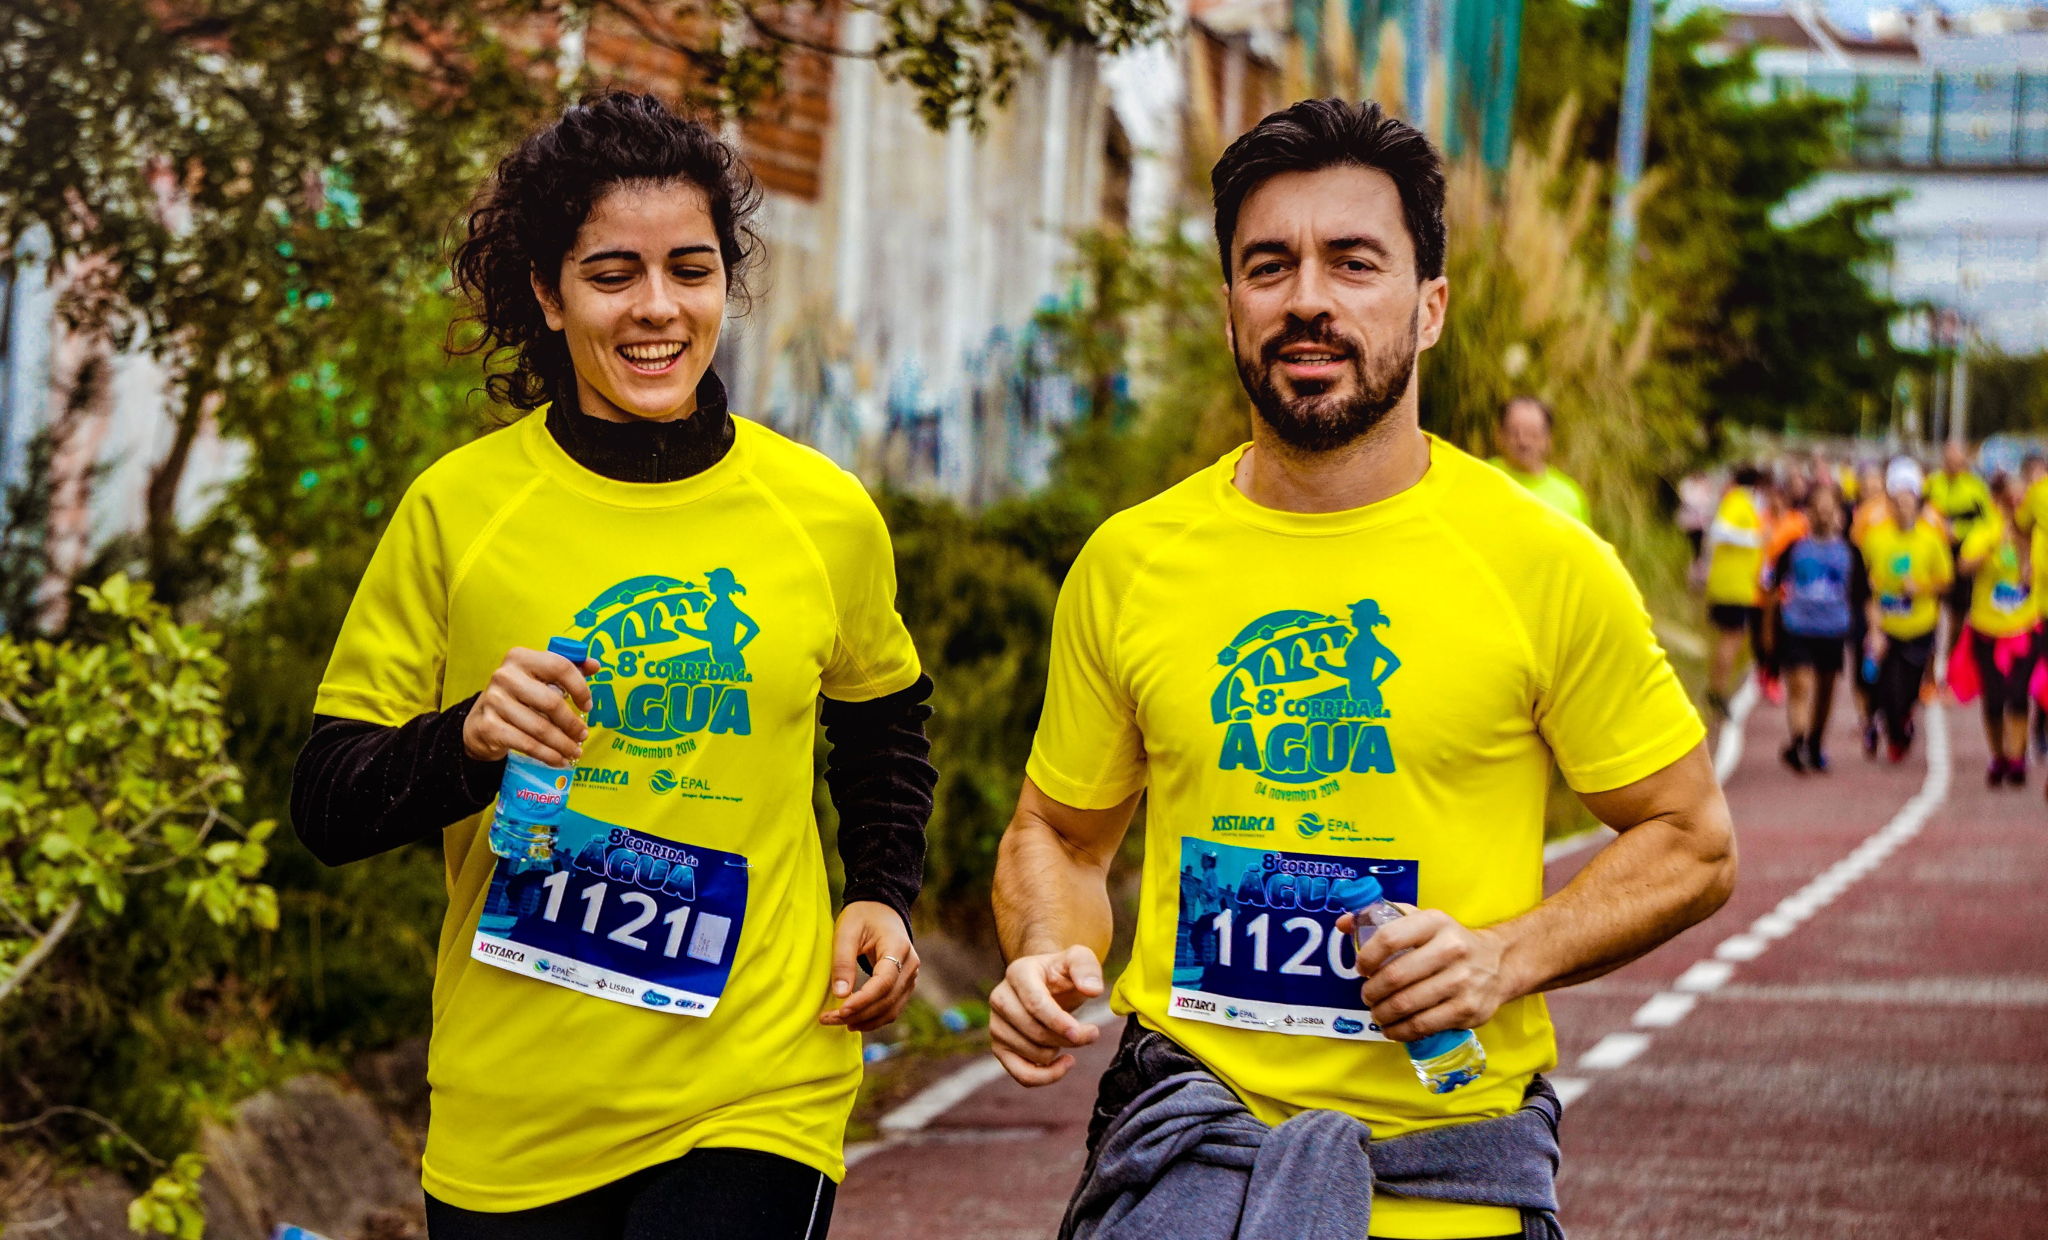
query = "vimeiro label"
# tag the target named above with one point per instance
(1256, 943)
(620, 915)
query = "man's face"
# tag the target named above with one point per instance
(1326, 315)
(1953, 458)
(1525, 437)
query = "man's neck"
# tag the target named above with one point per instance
(1378, 465)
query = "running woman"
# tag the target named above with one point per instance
(1345, 649)
(2000, 629)
(1907, 558)
(1962, 501)
(656, 1034)
(1808, 584)
(1735, 544)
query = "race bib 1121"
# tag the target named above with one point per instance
(621, 915)
(1257, 945)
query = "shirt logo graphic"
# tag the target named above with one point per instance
(673, 655)
(1299, 693)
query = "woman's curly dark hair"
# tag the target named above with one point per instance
(529, 212)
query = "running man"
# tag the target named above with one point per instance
(1908, 563)
(1523, 644)
(1735, 545)
(1524, 439)
(1962, 502)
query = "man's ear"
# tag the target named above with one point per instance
(1429, 324)
(550, 303)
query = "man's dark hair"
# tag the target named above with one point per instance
(1331, 133)
(1542, 406)
(530, 211)
(1747, 475)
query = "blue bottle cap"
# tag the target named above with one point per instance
(569, 648)
(1356, 893)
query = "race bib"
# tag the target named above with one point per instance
(1258, 946)
(624, 916)
(1895, 604)
(2006, 596)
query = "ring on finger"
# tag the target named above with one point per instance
(894, 961)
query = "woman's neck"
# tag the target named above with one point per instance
(643, 451)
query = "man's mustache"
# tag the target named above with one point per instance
(1302, 333)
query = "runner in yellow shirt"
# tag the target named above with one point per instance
(649, 1025)
(2002, 620)
(1524, 439)
(1908, 561)
(1345, 650)
(1963, 502)
(1735, 560)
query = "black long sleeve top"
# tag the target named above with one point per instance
(360, 788)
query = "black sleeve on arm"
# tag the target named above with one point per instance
(881, 779)
(359, 789)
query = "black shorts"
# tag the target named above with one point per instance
(1733, 617)
(1822, 654)
(715, 1194)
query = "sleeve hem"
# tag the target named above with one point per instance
(1071, 792)
(1642, 763)
(345, 703)
(868, 688)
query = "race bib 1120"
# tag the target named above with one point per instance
(1257, 944)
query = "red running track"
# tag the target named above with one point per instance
(1879, 1069)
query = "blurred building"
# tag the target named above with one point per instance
(897, 324)
(1953, 112)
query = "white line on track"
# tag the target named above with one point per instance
(1669, 1007)
(948, 1092)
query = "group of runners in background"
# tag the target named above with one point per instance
(1904, 577)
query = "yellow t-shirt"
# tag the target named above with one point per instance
(2000, 603)
(1737, 557)
(1308, 695)
(1963, 501)
(721, 607)
(1908, 572)
(1553, 486)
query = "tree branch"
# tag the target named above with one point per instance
(156, 1164)
(41, 951)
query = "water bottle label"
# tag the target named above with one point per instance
(1257, 945)
(619, 915)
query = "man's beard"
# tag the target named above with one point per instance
(1325, 420)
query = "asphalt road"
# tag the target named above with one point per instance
(1856, 1046)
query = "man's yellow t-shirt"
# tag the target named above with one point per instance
(2001, 605)
(1962, 500)
(721, 607)
(1310, 698)
(1736, 561)
(1908, 572)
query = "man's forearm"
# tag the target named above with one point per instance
(1049, 895)
(1650, 883)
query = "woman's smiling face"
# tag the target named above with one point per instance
(639, 299)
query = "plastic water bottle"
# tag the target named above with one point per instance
(1442, 1061)
(533, 794)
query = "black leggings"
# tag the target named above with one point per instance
(2003, 695)
(1898, 683)
(715, 1194)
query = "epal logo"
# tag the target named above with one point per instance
(1297, 694)
(664, 780)
(655, 998)
(541, 965)
(1310, 826)
(673, 657)
(1344, 1024)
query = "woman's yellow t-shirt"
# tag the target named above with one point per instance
(1908, 571)
(1309, 698)
(2001, 605)
(721, 607)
